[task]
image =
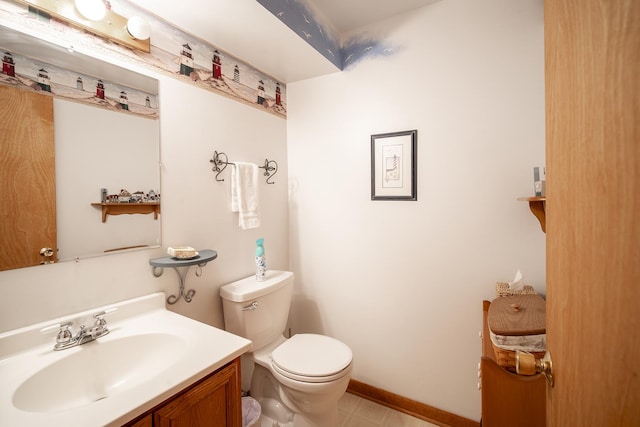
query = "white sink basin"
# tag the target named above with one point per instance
(97, 370)
(149, 355)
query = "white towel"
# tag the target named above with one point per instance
(244, 194)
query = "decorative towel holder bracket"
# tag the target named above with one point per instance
(221, 161)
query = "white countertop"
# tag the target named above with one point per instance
(196, 350)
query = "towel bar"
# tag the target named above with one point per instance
(221, 161)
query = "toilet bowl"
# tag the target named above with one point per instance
(299, 380)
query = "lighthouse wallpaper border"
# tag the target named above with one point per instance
(174, 52)
(29, 74)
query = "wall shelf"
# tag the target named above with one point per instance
(200, 260)
(128, 208)
(537, 205)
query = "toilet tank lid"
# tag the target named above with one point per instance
(249, 288)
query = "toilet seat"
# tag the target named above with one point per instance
(312, 358)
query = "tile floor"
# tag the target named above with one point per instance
(357, 412)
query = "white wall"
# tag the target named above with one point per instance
(402, 282)
(195, 211)
(196, 208)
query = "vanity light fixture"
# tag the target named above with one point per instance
(86, 14)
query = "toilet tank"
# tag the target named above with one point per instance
(257, 310)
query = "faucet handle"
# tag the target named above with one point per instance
(100, 326)
(56, 327)
(99, 316)
(102, 313)
(64, 332)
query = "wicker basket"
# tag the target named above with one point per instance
(507, 358)
(502, 290)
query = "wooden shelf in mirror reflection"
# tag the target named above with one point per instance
(128, 208)
(537, 205)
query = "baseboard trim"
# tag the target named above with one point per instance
(409, 406)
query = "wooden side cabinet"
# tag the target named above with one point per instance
(214, 401)
(509, 399)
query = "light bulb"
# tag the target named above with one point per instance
(138, 28)
(93, 10)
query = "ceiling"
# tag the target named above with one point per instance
(348, 15)
(248, 31)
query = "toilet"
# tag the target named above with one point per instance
(298, 381)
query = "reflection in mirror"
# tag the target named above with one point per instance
(70, 143)
(97, 148)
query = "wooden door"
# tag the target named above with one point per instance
(27, 178)
(592, 61)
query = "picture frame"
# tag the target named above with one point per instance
(394, 166)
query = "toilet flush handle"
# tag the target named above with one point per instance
(251, 306)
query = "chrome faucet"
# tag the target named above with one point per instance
(65, 338)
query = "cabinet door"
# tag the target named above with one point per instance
(143, 422)
(214, 402)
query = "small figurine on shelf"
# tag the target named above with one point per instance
(124, 196)
(137, 197)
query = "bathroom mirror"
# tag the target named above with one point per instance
(109, 143)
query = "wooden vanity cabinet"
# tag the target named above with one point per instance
(146, 421)
(214, 401)
(508, 399)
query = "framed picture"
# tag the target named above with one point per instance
(393, 166)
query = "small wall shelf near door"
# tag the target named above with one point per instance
(537, 206)
(128, 208)
(200, 260)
